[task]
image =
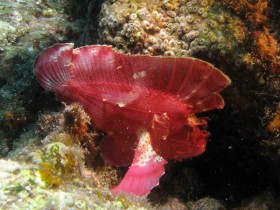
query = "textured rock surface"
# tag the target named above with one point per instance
(53, 175)
(228, 32)
(182, 28)
(26, 27)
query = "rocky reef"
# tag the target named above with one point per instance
(55, 174)
(203, 28)
(26, 27)
(181, 28)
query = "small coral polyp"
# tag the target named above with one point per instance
(178, 27)
(146, 105)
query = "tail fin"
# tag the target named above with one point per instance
(52, 67)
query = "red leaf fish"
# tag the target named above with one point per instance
(145, 104)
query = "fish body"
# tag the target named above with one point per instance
(146, 105)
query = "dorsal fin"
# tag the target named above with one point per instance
(191, 80)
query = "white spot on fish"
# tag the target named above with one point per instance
(145, 149)
(93, 51)
(110, 61)
(76, 51)
(163, 137)
(61, 49)
(64, 75)
(158, 159)
(48, 83)
(54, 58)
(121, 104)
(67, 63)
(139, 75)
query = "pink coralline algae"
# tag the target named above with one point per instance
(144, 104)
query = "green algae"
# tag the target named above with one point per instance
(25, 184)
(57, 164)
(16, 188)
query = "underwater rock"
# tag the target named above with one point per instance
(208, 203)
(24, 187)
(228, 32)
(53, 173)
(265, 200)
(181, 28)
(255, 12)
(26, 27)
